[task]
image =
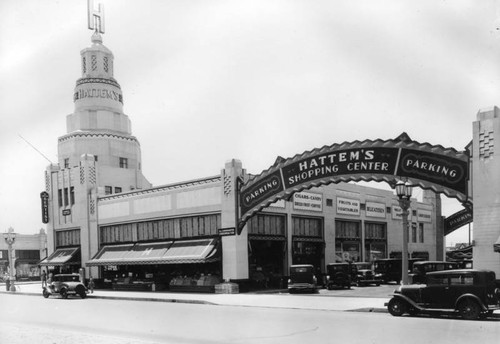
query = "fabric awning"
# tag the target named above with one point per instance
(110, 255)
(167, 252)
(61, 256)
(192, 251)
(496, 246)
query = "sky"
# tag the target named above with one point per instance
(208, 81)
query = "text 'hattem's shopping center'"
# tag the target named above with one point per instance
(103, 215)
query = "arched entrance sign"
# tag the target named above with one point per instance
(443, 170)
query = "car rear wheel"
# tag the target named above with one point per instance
(469, 309)
(396, 307)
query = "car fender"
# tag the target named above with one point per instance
(408, 300)
(471, 296)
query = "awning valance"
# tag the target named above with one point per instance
(496, 246)
(62, 256)
(168, 252)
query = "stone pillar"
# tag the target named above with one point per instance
(234, 247)
(87, 200)
(486, 189)
(434, 199)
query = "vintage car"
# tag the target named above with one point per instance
(468, 292)
(421, 268)
(391, 269)
(339, 275)
(366, 277)
(302, 278)
(64, 285)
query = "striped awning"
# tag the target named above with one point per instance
(168, 252)
(62, 256)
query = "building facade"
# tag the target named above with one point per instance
(104, 216)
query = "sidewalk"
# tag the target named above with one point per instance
(320, 301)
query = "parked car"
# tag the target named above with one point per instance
(302, 278)
(366, 277)
(64, 285)
(470, 293)
(390, 269)
(339, 275)
(420, 269)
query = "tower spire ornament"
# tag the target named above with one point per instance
(95, 18)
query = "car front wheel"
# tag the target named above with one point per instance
(45, 293)
(396, 307)
(469, 309)
(64, 293)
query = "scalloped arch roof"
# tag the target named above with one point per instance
(434, 167)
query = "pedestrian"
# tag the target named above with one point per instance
(44, 279)
(91, 285)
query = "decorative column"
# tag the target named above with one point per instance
(234, 247)
(486, 189)
(10, 238)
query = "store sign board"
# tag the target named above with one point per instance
(374, 209)
(346, 206)
(308, 201)
(424, 215)
(227, 231)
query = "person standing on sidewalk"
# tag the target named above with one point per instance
(44, 278)
(91, 285)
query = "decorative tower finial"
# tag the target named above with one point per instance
(95, 18)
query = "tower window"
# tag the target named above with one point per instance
(84, 65)
(106, 64)
(66, 163)
(72, 195)
(108, 190)
(94, 62)
(123, 163)
(118, 189)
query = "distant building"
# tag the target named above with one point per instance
(28, 250)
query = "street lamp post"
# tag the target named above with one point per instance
(403, 191)
(10, 238)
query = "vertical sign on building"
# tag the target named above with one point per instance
(44, 196)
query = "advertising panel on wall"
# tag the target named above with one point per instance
(424, 215)
(346, 206)
(308, 201)
(397, 213)
(375, 210)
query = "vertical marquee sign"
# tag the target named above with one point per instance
(44, 196)
(443, 170)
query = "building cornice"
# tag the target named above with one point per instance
(108, 81)
(162, 188)
(97, 134)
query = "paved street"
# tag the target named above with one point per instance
(108, 317)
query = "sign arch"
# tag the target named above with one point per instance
(443, 170)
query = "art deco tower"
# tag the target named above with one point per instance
(99, 127)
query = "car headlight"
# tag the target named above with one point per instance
(289, 281)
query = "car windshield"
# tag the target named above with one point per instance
(68, 278)
(337, 267)
(302, 269)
